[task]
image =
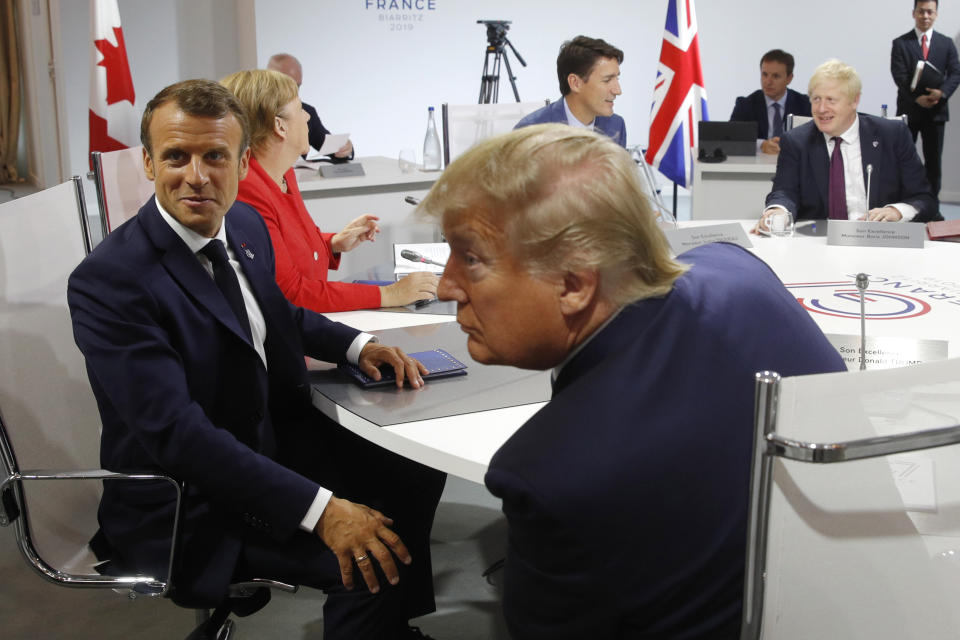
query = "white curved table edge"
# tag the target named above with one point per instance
(463, 457)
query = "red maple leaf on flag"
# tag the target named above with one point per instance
(119, 82)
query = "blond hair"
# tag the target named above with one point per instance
(836, 71)
(568, 200)
(263, 94)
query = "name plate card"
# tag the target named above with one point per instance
(887, 352)
(342, 170)
(685, 239)
(863, 233)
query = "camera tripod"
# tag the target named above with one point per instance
(490, 79)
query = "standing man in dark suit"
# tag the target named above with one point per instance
(289, 65)
(626, 495)
(770, 105)
(826, 166)
(588, 70)
(196, 361)
(928, 112)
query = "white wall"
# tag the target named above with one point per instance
(376, 83)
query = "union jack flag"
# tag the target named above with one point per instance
(679, 96)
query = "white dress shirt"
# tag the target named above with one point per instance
(572, 119)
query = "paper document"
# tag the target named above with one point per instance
(422, 256)
(331, 144)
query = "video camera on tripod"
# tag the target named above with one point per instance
(490, 79)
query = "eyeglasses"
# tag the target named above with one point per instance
(926, 12)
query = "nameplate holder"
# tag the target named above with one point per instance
(863, 233)
(685, 239)
(344, 170)
(887, 352)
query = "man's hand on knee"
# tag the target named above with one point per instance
(358, 534)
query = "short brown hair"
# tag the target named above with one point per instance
(263, 93)
(781, 56)
(568, 199)
(201, 98)
(579, 55)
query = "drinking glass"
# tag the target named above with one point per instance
(408, 160)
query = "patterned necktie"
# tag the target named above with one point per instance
(777, 120)
(924, 46)
(837, 195)
(227, 282)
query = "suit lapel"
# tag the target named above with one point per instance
(760, 110)
(870, 153)
(185, 268)
(819, 164)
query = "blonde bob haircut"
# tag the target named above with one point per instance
(263, 94)
(567, 200)
(839, 72)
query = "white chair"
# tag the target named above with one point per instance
(854, 531)
(49, 422)
(793, 120)
(464, 125)
(121, 185)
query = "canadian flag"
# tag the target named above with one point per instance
(113, 117)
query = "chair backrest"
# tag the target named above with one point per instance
(865, 544)
(45, 398)
(122, 187)
(793, 120)
(464, 125)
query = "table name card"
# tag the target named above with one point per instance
(685, 239)
(887, 352)
(863, 233)
(344, 170)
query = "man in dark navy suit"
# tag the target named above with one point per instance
(847, 165)
(196, 360)
(626, 495)
(770, 105)
(927, 111)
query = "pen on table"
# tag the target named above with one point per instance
(419, 304)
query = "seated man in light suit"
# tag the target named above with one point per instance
(770, 105)
(626, 495)
(826, 166)
(196, 360)
(589, 73)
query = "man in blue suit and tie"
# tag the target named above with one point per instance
(589, 73)
(196, 360)
(846, 165)
(927, 111)
(770, 105)
(626, 495)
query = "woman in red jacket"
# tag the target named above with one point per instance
(304, 254)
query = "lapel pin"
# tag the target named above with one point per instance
(249, 254)
(876, 144)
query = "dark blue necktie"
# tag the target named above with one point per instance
(227, 282)
(777, 120)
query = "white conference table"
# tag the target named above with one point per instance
(821, 275)
(333, 202)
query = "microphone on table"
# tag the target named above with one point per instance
(862, 282)
(411, 200)
(869, 172)
(413, 256)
